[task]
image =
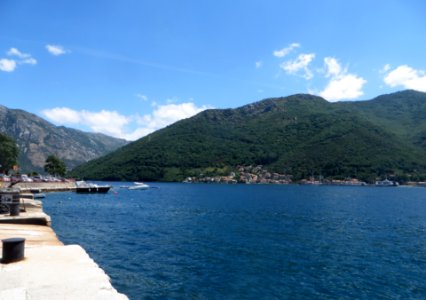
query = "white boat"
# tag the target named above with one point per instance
(33, 196)
(39, 195)
(386, 182)
(85, 187)
(139, 186)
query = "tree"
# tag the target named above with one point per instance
(54, 166)
(8, 153)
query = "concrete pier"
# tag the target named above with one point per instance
(33, 214)
(45, 186)
(50, 270)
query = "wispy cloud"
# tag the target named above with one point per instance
(285, 51)
(258, 64)
(332, 66)
(342, 85)
(16, 52)
(128, 127)
(142, 97)
(385, 69)
(23, 58)
(18, 58)
(406, 77)
(29, 61)
(299, 66)
(126, 59)
(56, 50)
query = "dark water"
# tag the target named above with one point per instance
(188, 241)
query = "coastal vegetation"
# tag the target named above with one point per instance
(54, 166)
(8, 153)
(300, 135)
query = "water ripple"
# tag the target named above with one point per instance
(236, 242)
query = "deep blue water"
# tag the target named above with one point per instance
(194, 241)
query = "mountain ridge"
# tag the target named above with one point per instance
(299, 135)
(38, 138)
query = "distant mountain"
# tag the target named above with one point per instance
(38, 138)
(301, 135)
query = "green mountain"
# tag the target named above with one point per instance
(37, 139)
(299, 135)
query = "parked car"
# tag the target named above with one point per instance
(15, 178)
(4, 178)
(25, 178)
(37, 178)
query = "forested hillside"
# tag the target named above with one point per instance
(301, 135)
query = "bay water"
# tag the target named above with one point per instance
(202, 241)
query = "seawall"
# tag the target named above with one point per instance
(50, 269)
(42, 186)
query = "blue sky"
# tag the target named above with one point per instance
(127, 68)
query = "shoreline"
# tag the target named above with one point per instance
(41, 186)
(50, 269)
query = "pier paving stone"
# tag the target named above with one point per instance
(49, 270)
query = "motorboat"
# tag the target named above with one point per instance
(39, 195)
(386, 183)
(139, 186)
(85, 187)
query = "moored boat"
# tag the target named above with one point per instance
(84, 187)
(386, 183)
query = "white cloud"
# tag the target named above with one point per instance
(56, 50)
(164, 115)
(7, 65)
(107, 122)
(333, 67)
(62, 115)
(16, 52)
(25, 58)
(29, 61)
(347, 86)
(285, 51)
(300, 63)
(407, 77)
(258, 64)
(22, 58)
(115, 124)
(385, 68)
(342, 85)
(104, 121)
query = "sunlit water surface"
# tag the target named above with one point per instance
(194, 241)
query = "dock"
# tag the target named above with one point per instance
(44, 186)
(33, 214)
(50, 269)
